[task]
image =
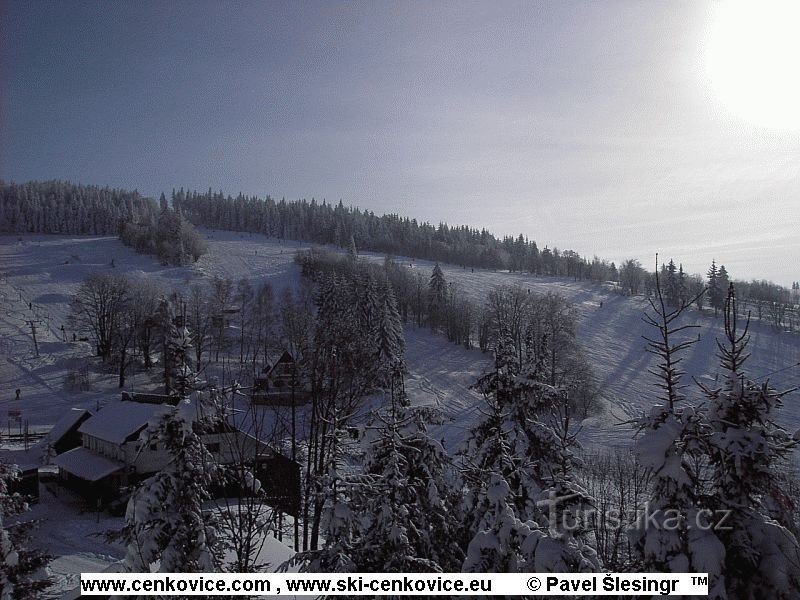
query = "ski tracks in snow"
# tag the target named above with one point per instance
(442, 375)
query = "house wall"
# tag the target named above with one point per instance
(225, 448)
(103, 447)
(144, 458)
(232, 447)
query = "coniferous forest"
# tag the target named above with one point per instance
(166, 229)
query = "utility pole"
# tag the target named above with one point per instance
(294, 450)
(33, 333)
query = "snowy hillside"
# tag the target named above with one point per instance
(611, 330)
(45, 270)
(38, 277)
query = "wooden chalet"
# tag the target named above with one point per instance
(113, 456)
(281, 383)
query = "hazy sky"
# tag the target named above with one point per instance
(597, 126)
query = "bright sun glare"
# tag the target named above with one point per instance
(753, 60)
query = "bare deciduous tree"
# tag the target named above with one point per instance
(96, 309)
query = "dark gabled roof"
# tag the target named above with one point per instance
(67, 423)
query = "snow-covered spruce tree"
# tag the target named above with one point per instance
(399, 513)
(683, 286)
(672, 292)
(179, 375)
(352, 250)
(343, 370)
(492, 476)
(500, 382)
(746, 448)
(666, 537)
(716, 293)
(388, 329)
(519, 475)
(562, 501)
(542, 417)
(365, 294)
(406, 498)
(167, 526)
(437, 298)
(22, 574)
(724, 282)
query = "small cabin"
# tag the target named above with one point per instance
(282, 383)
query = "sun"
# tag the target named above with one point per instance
(752, 57)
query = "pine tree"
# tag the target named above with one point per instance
(715, 289)
(177, 350)
(352, 250)
(683, 287)
(407, 496)
(672, 286)
(344, 370)
(521, 492)
(389, 329)
(762, 558)
(665, 537)
(500, 381)
(724, 282)
(437, 298)
(494, 475)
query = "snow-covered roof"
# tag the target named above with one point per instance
(118, 421)
(65, 423)
(86, 464)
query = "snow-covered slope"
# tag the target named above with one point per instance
(40, 273)
(611, 335)
(47, 270)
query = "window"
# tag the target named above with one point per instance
(153, 447)
(213, 447)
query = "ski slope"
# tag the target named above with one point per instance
(40, 273)
(46, 270)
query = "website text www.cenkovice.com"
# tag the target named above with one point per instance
(382, 584)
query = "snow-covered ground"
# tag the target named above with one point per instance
(46, 270)
(611, 335)
(40, 273)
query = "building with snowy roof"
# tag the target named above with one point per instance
(114, 454)
(64, 435)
